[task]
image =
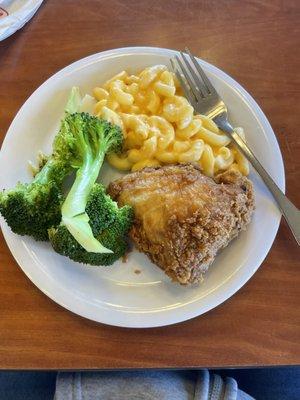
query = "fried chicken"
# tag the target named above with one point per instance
(182, 217)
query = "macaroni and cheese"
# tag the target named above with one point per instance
(160, 127)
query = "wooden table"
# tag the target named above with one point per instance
(257, 43)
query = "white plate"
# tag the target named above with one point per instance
(19, 13)
(117, 295)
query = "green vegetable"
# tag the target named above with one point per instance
(87, 226)
(78, 104)
(32, 208)
(94, 138)
(74, 101)
(109, 224)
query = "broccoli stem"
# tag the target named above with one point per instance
(86, 176)
(53, 170)
(73, 209)
(91, 139)
(45, 174)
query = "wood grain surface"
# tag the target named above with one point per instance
(256, 42)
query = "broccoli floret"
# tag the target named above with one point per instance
(114, 237)
(32, 208)
(88, 225)
(101, 209)
(94, 138)
(110, 225)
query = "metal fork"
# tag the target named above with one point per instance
(204, 98)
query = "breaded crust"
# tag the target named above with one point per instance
(182, 217)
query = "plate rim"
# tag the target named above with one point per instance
(168, 317)
(19, 18)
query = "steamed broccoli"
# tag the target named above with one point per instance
(94, 139)
(109, 225)
(87, 226)
(32, 208)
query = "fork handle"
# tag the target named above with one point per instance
(289, 211)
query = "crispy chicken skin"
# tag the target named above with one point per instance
(182, 217)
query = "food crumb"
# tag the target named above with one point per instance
(125, 258)
(137, 271)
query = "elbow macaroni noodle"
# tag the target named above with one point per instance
(159, 125)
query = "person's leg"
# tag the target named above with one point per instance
(147, 385)
(137, 385)
(210, 386)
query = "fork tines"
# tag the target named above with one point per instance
(191, 76)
